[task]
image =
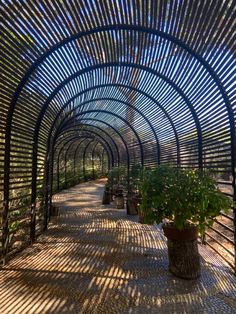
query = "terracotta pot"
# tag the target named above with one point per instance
(188, 234)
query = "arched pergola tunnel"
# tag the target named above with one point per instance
(113, 83)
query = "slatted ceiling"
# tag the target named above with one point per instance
(108, 127)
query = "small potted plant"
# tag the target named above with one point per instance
(116, 179)
(106, 199)
(190, 202)
(119, 199)
(133, 195)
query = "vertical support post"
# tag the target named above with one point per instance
(46, 193)
(74, 164)
(65, 169)
(58, 173)
(33, 192)
(50, 179)
(93, 166)
(93, 151)
(84, 155)
(234, 198)
(200, 151)
(234, 210)
(65, 160)
(5, 229)
(102, 162)
(75, 154)
(84, 163)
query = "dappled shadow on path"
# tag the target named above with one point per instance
(95, 259)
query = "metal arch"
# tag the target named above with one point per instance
(199, 47)
(58, 146)
(108, 135)
(100, 29)
(94, 133)
(130, 105)
(78, 146)
(110, 28)
(131, 65)
(38, 123)
(125, 103)
(36, 133)
(54, 141)
(119, 117)
(65, 158)
(198, 127)
(50, 177)
(75, 153)
(123, 27)
(117, 132)
(61, 141)
(84, 155)
(93, 152)
(71, 141)
(108, 145)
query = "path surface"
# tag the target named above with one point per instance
(95, 259)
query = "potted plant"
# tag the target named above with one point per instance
(116, 179)
(119, 199)
(106, 199)
(190, 202)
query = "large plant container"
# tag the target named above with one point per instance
(184, 259)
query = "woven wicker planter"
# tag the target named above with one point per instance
(132, 205)
(106, 197)
(184, 259)
(120, 204)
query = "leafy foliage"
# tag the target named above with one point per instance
(133, 178)
(193, 196)
(153, 185)
(183, 196)
(117, 176)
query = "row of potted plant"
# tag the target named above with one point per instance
(123, 184)
(114, 188)
(185, 201)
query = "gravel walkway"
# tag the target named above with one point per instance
(95, 259)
